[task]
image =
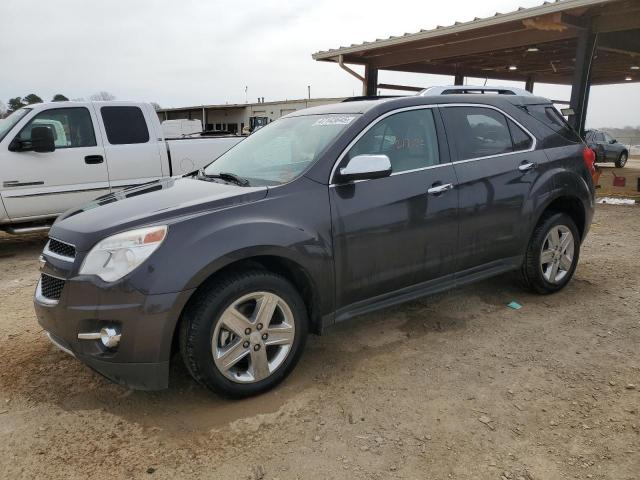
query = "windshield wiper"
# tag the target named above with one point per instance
(228, 177)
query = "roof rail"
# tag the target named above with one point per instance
(370, 97)
(473, 89)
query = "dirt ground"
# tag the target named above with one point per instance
(452, 386)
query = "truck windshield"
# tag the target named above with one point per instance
(8, 123)
(282, 150)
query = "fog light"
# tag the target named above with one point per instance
(109, 336)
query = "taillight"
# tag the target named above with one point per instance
(589, 156)
(589, 159)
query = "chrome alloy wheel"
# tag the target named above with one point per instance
(253, 337)
(557, 254)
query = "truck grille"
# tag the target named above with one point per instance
(51, 287)
(61, 248)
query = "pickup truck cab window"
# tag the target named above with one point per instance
(408, 138)
(124, 125)
(71, 127)
(282, 150)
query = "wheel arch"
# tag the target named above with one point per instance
(570, 205)
(274, 262)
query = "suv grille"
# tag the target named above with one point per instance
(61, 248)
(51, 287)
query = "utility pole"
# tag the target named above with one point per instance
(309, 91)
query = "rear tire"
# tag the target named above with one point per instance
(622, 160)
(552, 254)
(243, 333)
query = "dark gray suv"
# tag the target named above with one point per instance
(323, 215)
(607, 148)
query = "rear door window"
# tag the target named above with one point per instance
(521, 139)
(124, 125)
(477, 131)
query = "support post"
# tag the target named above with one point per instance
(581, 84)
(458, 79)
(528, 86)
(370, 83)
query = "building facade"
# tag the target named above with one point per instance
(235, 117)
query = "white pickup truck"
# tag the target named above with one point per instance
(55, 156)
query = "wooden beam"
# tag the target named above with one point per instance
(562, 79)
(406, 88)
(620, 42)
(469, 47)
(617, 22)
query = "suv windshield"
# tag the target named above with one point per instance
(9, 122)
(282, 150)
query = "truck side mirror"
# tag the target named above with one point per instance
(613, 140)
(42, 140)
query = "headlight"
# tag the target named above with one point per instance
(115, 256)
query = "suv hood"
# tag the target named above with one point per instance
(147, 204)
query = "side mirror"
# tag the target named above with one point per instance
(42, 140)
(613, 140)
(365, 167)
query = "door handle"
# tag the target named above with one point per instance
(437, 189)
(526, 166)
(93, 159)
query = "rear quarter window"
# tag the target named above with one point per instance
(551, 118)
(124, 125)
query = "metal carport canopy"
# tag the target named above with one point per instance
(572, 42)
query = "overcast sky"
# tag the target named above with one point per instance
(190, 52)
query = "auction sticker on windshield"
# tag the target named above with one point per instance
(334, 120)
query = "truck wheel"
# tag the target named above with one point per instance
(552, 254)
(622, 160)
(244, 333)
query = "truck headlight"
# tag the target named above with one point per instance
(115, 256)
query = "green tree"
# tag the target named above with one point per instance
(15, 103)
(58, 97)
(3, 109)
(32, 98)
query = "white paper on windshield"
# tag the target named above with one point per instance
(334, 120)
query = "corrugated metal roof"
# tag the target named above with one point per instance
(458, 27)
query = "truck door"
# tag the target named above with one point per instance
(132, 152)
(47, 184)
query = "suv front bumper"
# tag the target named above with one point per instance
(146, 324)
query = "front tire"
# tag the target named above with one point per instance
(622, 160)
(552, 254)
(244, 333)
